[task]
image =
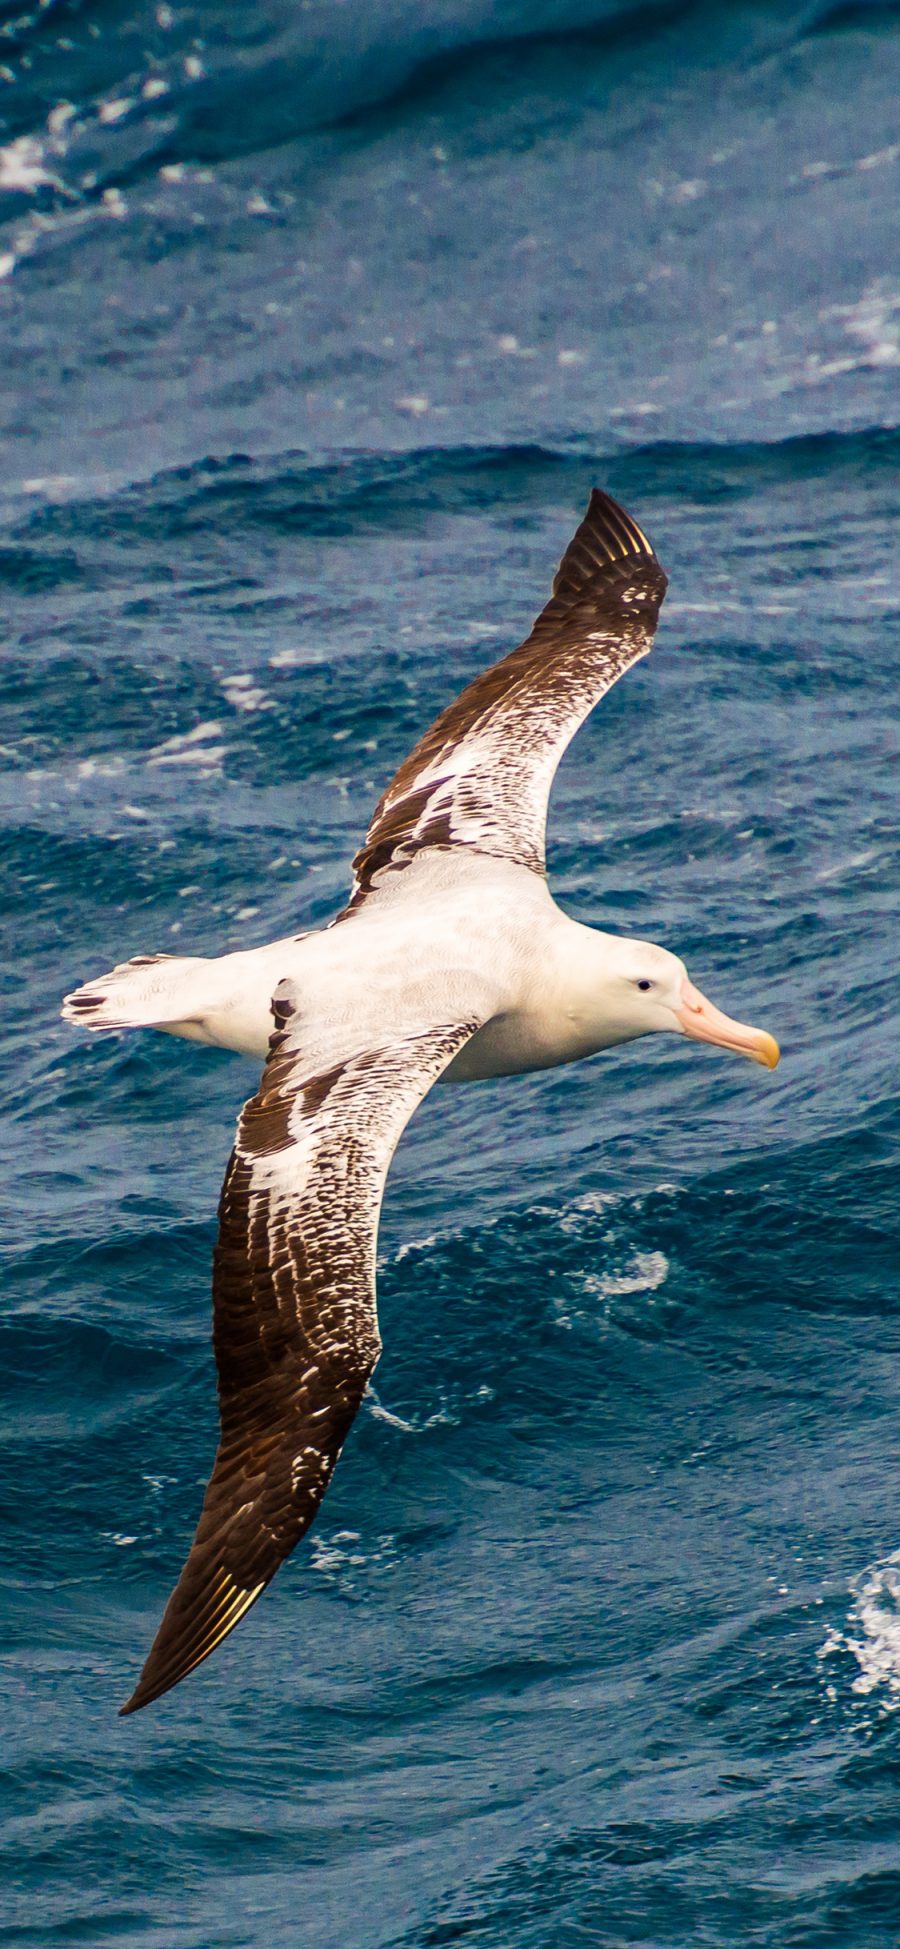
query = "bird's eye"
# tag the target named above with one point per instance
(645, 985)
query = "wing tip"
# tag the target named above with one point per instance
(602, 509)
(178, 1648)
(132, 1705)
(148, 1689)
(606, 538)
(144, 1693)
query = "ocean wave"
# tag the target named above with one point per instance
(870, 1637)
(198, 85)
(180, 255)
(61, 1376)
(205, 84)
(365, 492)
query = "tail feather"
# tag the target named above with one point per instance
(146, 992)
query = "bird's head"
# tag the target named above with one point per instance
(646, 988)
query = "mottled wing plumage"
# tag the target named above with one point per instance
(481, 776)
(295, 1326)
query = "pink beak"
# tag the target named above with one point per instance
(706, 1023)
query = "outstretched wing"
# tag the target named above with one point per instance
(295, 1328)
(481, 776)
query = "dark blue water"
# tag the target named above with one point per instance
(318, 323)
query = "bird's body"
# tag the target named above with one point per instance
(450, 963)
(491, 936)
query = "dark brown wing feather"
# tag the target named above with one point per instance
(295, 1327)
(481, 776)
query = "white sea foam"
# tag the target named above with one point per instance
(453, 1404)
(334, 1554)
(287, 659)
(108, 766)
(191, 748)
(54, 487)
(59, 118)
(22, 165)
(702, 608)
(243, 694)
(644, 1273)
(872, 1634)
(114, 109)
(874, 321)
(337, 1555)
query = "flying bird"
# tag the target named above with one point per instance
(450, 962)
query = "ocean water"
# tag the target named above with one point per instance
(318, 323)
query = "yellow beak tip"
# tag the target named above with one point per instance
(769, 1052)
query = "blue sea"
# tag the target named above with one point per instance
(318, 321)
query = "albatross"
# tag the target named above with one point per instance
(450, 962)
